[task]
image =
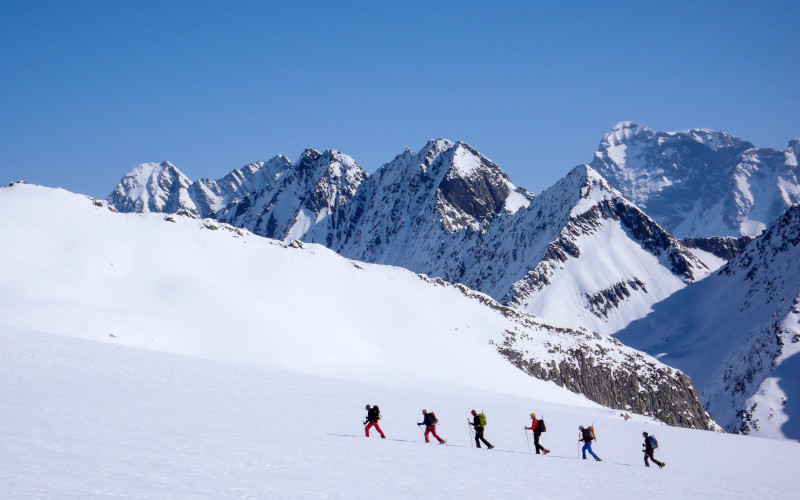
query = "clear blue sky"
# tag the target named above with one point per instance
(88, 90)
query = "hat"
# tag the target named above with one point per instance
(533, 415)
(473, 412)
(580, 427)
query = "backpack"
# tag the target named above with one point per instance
(375, 413)
(481, 419)
(653, 441)
(540, 427)
(588, 434)
(433, 418)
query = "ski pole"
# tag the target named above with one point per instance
(469, 431)
(472, 435)
(527, 441)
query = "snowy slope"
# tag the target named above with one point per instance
(203, 288)
(145, 358)
(580, 256)
(700, 182)
(737, 333)
(85, 419)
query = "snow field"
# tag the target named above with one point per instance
(87, 419)
(148, 359)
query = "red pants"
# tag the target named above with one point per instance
(431, 429)
(376, 426)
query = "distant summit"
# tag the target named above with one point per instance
(700, 182)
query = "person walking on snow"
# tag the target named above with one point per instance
(587, 436)
(536, 428)
(373, 415)
(479, 423)
(429, 421)
(649, 446)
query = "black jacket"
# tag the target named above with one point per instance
(428, 420)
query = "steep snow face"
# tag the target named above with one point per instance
(737, 334)
(164, 189)
(306, 202)
(153, 187)
(407, 211)
(581, 256)
(204, 288)
(699, 182)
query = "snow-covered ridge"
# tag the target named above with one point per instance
(203, 288)
(448, 211)
(738, 334)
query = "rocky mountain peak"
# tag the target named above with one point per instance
(698, 182)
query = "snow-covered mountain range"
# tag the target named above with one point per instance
(448, 211)
(585, 253)
(737, 334)
(301, 307)
(700, 182)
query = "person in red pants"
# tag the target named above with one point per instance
(373, 415)
(429, 421)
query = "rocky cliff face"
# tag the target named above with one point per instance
(699, 182)
(725, 248)
(408, 212)
(597, 366)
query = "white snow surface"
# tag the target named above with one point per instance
(144, 358)
(88, 419)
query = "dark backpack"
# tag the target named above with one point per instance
(653, 441)
(433, 420)
(374, 413)
(540, 427)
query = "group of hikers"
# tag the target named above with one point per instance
(537, 427)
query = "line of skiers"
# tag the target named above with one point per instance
(537, 427)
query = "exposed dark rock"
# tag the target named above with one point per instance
(722, 247)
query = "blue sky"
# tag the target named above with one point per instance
(88, 90)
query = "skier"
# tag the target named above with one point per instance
(587, 435)
(429, 421)
(373, 415)
(536, 428)
(649, 446)
(479, 422)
